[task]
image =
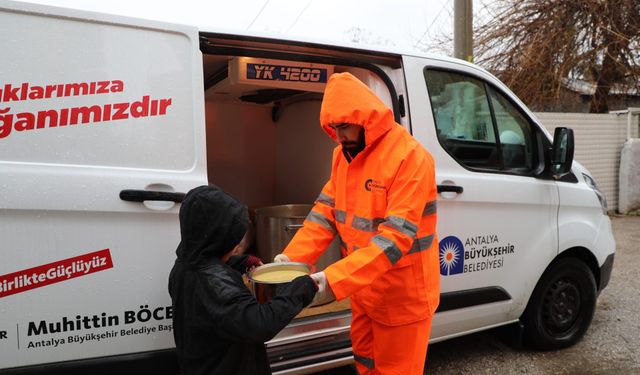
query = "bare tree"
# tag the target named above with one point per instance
(361, 35)
(537, 46)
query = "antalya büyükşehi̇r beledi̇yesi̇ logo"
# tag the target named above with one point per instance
(451, 256)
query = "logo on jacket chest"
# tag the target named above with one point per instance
(374, 185)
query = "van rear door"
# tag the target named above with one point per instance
(101, 130)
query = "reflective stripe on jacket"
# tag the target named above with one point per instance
(382, 205)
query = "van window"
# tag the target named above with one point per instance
(515, 134)
(478, 126)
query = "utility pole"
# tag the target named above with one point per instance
(463, 30)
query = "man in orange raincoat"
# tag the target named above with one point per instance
(381, 202)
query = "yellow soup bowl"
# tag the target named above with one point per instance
(268, 278)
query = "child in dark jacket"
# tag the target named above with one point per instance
(218, 325)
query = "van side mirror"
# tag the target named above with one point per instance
(562, 152)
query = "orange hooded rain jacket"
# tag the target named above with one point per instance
(382, 204)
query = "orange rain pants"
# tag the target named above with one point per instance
(383, 349)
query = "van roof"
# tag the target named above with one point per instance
(235, 34)
(359, 48)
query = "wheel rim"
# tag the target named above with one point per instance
(561, 307)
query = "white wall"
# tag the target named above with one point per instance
(599, 139)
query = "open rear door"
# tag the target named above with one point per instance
(101, 131)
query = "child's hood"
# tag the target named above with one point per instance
(212, 223)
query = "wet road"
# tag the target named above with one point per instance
(610, 346)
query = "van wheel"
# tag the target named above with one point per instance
(561, 306)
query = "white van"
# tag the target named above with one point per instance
(106, 121)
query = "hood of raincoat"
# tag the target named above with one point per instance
(212, 223)
(347, 99)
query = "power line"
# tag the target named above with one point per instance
(430, 25)
(299, 14)
(258, 15)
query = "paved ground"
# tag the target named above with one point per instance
(611, 345)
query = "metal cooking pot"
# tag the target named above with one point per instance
(276, 226)
(266, 290)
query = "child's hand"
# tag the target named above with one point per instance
(252, 262)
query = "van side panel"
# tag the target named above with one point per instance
(498, 233)
(91, 105)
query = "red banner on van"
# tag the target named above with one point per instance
(55, 272)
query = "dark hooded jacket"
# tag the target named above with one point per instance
(218, 325)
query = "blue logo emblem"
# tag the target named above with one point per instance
(451, 256)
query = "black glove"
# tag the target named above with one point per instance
(301, 285)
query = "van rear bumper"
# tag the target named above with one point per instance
(314, 361)
(312, 344)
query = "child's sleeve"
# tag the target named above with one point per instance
(238, 316)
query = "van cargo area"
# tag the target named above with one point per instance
(264, 143)
(266, 147)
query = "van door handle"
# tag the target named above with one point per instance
(450, 188)
(149, 195)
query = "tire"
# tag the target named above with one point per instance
(561, 307)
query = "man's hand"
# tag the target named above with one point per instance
(324, 289)
(281, 258)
